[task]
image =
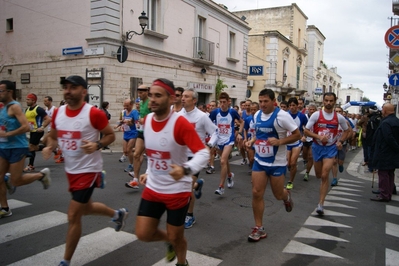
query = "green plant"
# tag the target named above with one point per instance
(219, 88)
(201, 54)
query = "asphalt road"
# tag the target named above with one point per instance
(354, 230)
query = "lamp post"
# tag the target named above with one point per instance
(143, 19)
(385, 86)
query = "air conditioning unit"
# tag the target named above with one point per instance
(250, 83)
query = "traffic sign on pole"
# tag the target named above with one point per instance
(72, 50)
(394, 79)
(392, 37)
(122, 54)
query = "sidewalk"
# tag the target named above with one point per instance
(355, 168)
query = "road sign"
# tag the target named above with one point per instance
(72, 50)
(94, 51)
(392, 37)
(318, 91)
(122, 54)
(394, 79)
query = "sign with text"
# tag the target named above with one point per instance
(255, 71)
(202, 87)
(95, 95)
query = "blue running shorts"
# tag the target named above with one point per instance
(269, 170)
(323, 152)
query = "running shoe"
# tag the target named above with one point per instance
(10, 188)
(122, 159)
(170, 252)
(257, 234)
(340, 168)
(334, 182)
(290, 185)
(230, 181)
(103, 182)
(129, 168)
(132, 184)
(63, 263)
(189, 222)
(219, 191)
(4, 213)
(244, 161)
(29, 168)
(46, 179)
(210, 170)
(306, 177)
(198, 190)
(120, 221)
(289, 204)
(131, 174)
(185, 264)
(320, 210)
(57, 154)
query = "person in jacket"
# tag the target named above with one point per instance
(385, 151)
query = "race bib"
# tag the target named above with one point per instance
(125, 126)
(3, 139)
(159, 161)
(70, 142)
(326, 133)
(224, 129)
(263, 148)
(31, 126)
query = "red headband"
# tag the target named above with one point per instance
(32, 96)
(163, 85)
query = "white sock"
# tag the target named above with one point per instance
(116, 215)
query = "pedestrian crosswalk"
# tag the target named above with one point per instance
(343, 197)
(90, 248)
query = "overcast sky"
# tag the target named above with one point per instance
(354, 31)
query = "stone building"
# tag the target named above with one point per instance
(193, 43)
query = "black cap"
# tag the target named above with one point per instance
(142, 89)
(75, 80)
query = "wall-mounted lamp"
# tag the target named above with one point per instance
(203, 71)
(233, 86)
(385, 86)
(143, 19)
(284, 80)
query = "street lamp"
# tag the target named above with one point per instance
(143, 19)
(385, 86)
(284, 79)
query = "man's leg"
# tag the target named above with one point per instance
(75, 212)
(178, 241)
(384, 184)
(325, 172)
(4, 165)
(224, 164)
(259, 183)
(293, 162)
(138, 152)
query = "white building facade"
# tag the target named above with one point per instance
(191, 42)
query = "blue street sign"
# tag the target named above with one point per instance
(72, 50)
(255, 71)
(394, 80)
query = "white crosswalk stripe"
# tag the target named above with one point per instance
(91, 247)
(27, 226)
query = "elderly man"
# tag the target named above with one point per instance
(385, 150)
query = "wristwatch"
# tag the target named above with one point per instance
(187, 170)
(99, 145)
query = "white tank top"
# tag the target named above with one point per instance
(70, 133)
(162, 151)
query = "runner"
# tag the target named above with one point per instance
(225, 118)
(14, 148)
(294, 149)
(76, 126)
(271, 127)
(168, 181)
(203, 126)
(307, 145)
(325, 142)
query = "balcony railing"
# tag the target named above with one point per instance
(203, 50)
(395, 7)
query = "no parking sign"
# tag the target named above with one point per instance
(392, 37)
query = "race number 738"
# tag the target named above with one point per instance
(69, 145)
